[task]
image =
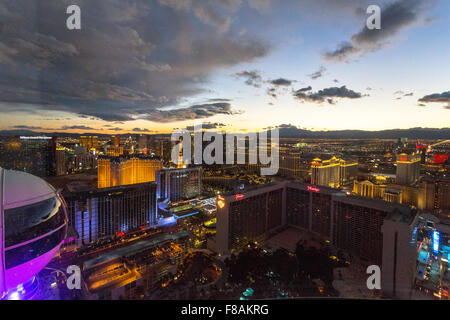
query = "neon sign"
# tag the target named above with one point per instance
(313, 189)
(239, 196)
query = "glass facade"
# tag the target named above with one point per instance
(251, 218)
(358, 230)
(297, 210)
(29, 222)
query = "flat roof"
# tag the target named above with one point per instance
(134, 248)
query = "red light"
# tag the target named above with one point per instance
(239, 197)
(348, 217)
(313, 189)
(440, 158)
(403, 159)
(121, 234)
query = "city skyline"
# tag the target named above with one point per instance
(153, 66)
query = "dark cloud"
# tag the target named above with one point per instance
(395, 17)
(436, 97)
(271, 92)
(201, 111)
(208, 125)
(326, 94)
(342, 53)
(219, 100)
(131, 58)
(309, 88)
(318, 73)
(252, 78)
(281, 82)
(141, 130)
(77, 127)
(443, 97)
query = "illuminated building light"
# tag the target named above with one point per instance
(239, 196)
(221, 204)
(186, 215)
(436, 241)
(313, 189)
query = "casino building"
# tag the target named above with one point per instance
(179, 184)
(32, 228)
(101, 213)
(374, 231)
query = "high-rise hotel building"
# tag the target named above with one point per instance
(333, 172)
(375, 231)
(408, 168)
(248, 217)
(89, 142)
(100, 213)
(118, 171)
(177, 184)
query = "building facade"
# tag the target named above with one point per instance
(333, 172)
(118, 171)
(179, 184)
(360, 226)
(101, 213)
(408, 168)
(34, 154)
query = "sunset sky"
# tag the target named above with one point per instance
(154, 65)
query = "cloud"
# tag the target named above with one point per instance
(395, 17)
(326, 94)
(201, 111)
(207, 13)
(408, 94)
(342, 53)
(208, 125)
(281, 82)
(77, 127)
(26, 127)
(271, 92)
(318, 73)
(443, 97)
(141, 130)
(116, 129)
(219, 100)
(130, 59)
(262, 6)
(252, 78)
(309, 88)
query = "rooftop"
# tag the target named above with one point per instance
(134, 248)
